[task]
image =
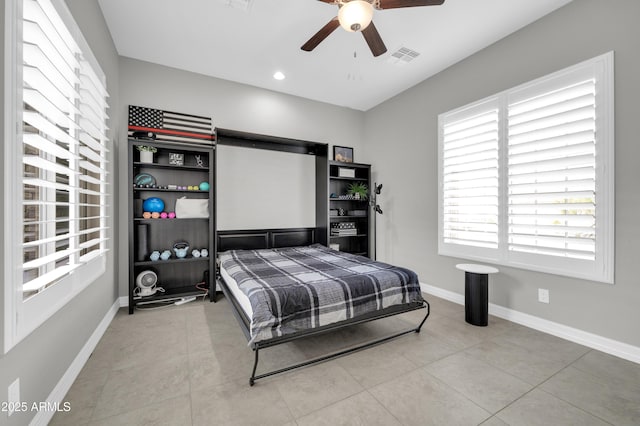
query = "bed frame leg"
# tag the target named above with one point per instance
(425, 317)
(252, 379)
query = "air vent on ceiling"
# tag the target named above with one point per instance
(403, 56)
(238, 4)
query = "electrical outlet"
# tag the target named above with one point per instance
(543, 295)
(13, 395)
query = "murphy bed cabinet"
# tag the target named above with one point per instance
(175, 168)
(349, 217)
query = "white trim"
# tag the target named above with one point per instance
(124, 301)
(593, 341)
(58, 393)
(11, 198)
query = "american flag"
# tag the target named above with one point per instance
(170, 126)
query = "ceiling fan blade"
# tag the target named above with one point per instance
(321, 35)
(374, 40)
(328, 1)
(394, 4)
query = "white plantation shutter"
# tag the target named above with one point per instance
(64, 152)
(539, 196)
(470, 177)
(552, 172)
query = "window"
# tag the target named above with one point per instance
(56, 164)
(526, 176)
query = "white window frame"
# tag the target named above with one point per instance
(24, 316)
(602, 268)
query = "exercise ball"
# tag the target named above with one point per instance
(153, 204)
(204, 186)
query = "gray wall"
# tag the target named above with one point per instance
(404, 154)
(238, 107)
(41, 359)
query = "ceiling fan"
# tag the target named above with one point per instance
(356, 15)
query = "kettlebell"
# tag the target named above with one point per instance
(181, 249)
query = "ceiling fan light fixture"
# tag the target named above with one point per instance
(355, 15)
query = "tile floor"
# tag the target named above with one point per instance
(189, 365)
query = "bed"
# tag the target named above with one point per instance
(283, 287)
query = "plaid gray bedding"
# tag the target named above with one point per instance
(298, 288)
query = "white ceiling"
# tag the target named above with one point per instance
(223, 39)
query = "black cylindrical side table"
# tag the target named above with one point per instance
(476, 292)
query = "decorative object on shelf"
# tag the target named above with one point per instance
(342, 212)
(204, 186)
(171, 126)
(153, 204)
(146, 215)
(181, 249)
(172, 215)
(204, 252)
(358, 190)
(344, 229)
(343, 153)
(195, 253)
(143, 179)
(176, 159)
(155, 255)
(192, 208)
(148, 136)
(165, 255)
(346, 172)
(333, 212)
(164, 215)
(146, 153)
(146, 284)
(142, 236)
(199, 161)
(155, 215)
(356, 213)
(373, 203)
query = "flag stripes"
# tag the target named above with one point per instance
(170, 126)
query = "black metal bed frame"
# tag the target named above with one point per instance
(256, 347)
(301, 236)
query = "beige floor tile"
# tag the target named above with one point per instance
(418, 398)
(377, 364)
(530, 366)
(237, 403)
(625, 373)
(311, 388)
(456, 332)
(358, 410)
(538, 408)
(207, 369)
(600, 396)
(159, 380)
(490, 388)
(494, 421)
(544, 344)
(172, 412)
(422, 348)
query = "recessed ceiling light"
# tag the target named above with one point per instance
(278, 75)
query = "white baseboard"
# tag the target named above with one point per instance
(124, 301)
(594, 341)
(56, 396)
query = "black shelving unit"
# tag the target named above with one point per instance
(177, 276)
(350, 210)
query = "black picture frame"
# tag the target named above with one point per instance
(176, 159)
(343, 154)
